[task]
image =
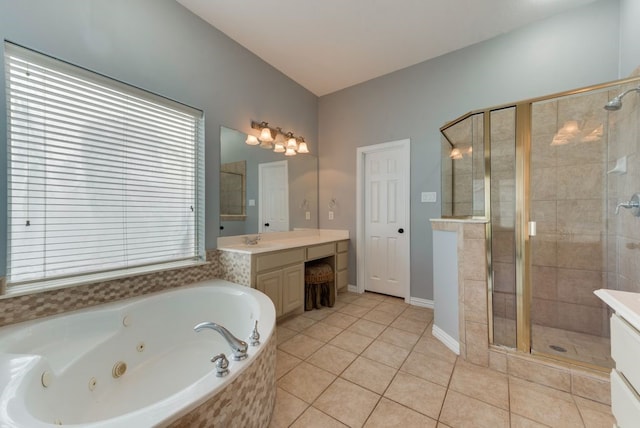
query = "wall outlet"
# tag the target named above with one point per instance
(307, 215)
(428, 197)
(330, 215)
(252, 202)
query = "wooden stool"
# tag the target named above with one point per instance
(318, 286)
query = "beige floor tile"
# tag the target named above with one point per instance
(392, 308)
(369, 374)
(386, 353)
(354, 310)
(428, 344)
(367, 301)
(340, 320)
(306, 381)
(543, 404)
(461, 411)
(380, 317)
(322, 331)
(284, 363)
(428, 367)
(283, 334)
(594, 414)
(301, 346)
(352, 342)
(389, 414)
(314, 418)
(349, 403)
(408, 324)
(401, 338)
(366, 328)
(286, 410)
(318, 314)
(441, 425)
(518, 421)
(332, 359)
(418, 314)
(348, 297)
(481, 383)
(298, 323)
(418, 394)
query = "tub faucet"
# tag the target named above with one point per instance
(238, 347)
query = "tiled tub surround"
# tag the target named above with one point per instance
(46, 303)
(372, 361)
(168, 370)
(474, 325)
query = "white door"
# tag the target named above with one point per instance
(384, 216)
(273, 197)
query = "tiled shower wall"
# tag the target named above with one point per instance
(38, 305)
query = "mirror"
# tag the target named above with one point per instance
(240, 168)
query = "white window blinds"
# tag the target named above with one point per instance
(102, 176)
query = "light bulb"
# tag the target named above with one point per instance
(252, 140)
(302, 148)
(279, 148)
(292, 143)
(290, 152)
(265, 135)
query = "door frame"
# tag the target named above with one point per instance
(404, 146)
(261, 167)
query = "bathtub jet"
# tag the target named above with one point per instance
(616, 103)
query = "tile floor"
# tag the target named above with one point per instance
(371, 361)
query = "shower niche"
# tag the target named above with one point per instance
(546, 175)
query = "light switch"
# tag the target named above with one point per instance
(330, 215)
(307, 215)
(252, 202)
(428, 197)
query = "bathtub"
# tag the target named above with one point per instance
(139, 363)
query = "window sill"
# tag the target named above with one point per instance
(74, 281)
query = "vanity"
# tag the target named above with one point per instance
(275, 264)
(625, 351)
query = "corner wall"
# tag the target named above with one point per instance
(549, 56)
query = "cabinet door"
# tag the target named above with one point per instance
(293, 288)
(271, 284)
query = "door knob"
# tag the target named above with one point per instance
(266, 225)
(401, 230)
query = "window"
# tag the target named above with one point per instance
(102, 176)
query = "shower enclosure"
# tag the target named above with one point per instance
(548, 175)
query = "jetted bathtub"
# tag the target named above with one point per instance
(139, 363)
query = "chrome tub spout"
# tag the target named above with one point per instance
(238, 347)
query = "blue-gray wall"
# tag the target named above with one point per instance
(629, 36)
(570, 50)
(162, 47)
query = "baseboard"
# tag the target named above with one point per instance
(352, 288)
(423, 303)
(448, 341)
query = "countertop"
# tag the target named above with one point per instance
(624, 303)
(282, 241)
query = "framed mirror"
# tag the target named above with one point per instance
(259, 187)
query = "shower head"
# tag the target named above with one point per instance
(616, 102)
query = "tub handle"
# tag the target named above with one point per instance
(254, 339)
(222, 365)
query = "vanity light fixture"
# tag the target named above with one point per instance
(277, 139)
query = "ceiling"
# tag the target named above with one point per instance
(328, 45)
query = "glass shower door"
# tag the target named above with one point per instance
(568, 202)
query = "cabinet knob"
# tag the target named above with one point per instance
(266, 225)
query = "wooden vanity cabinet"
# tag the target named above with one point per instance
(342, 264)
(280, 275)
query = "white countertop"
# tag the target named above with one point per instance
(281, 240)
(624, 303)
